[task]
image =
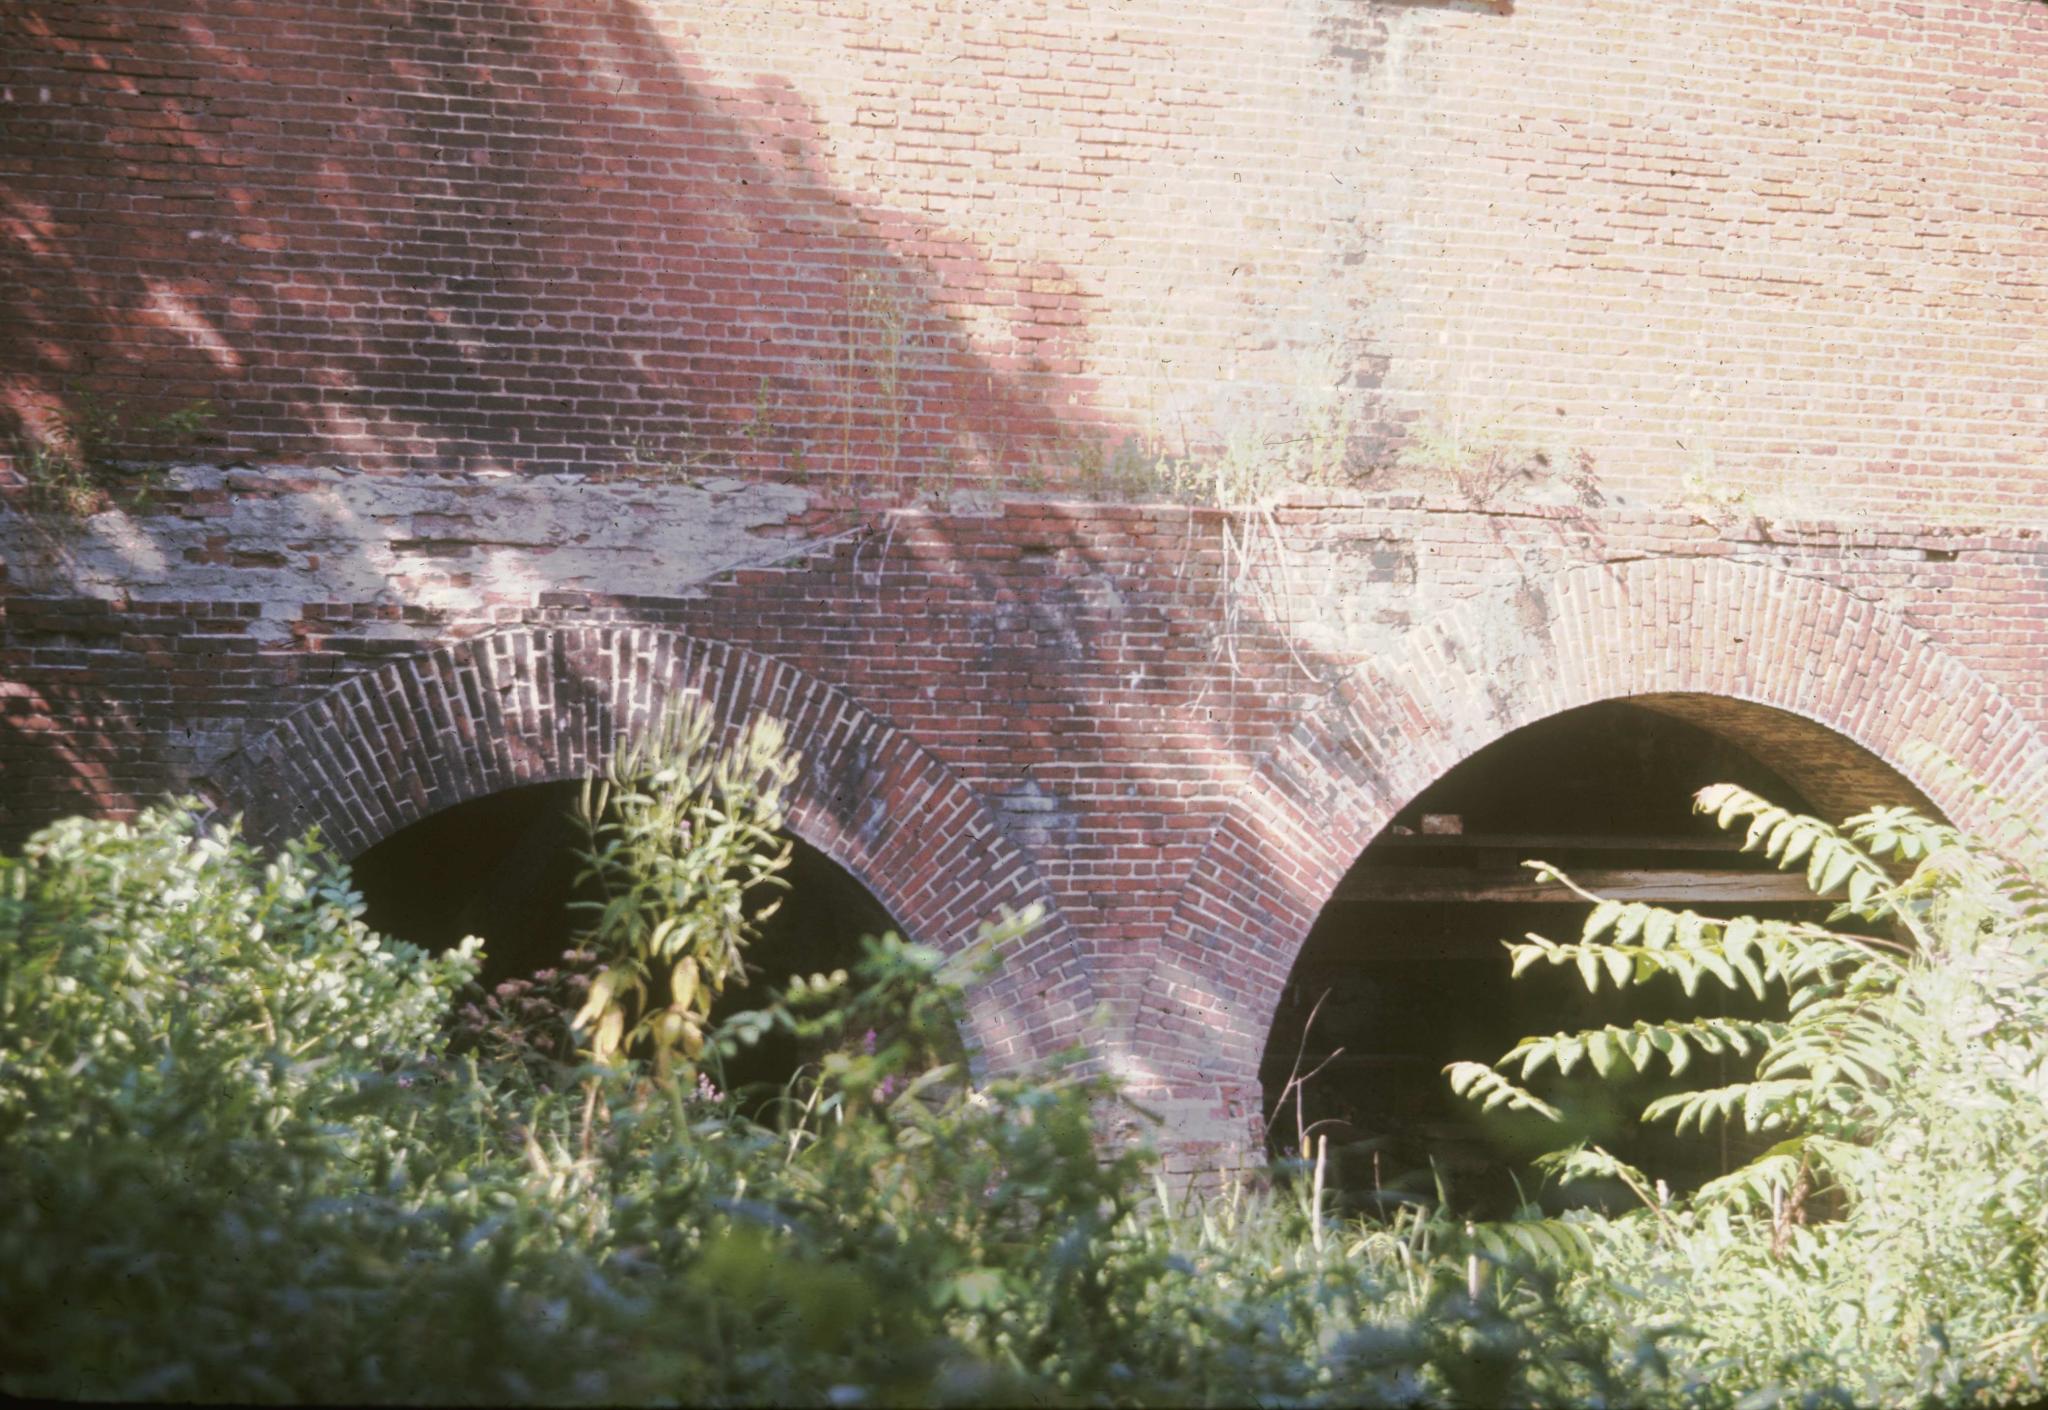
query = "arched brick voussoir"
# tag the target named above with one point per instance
(1727, 646)
(539, 705)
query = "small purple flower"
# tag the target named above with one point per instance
(867, 1044)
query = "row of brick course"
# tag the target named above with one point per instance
(890, 249)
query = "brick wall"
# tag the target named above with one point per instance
(1043, 703)
(891, 249)
(566, 354)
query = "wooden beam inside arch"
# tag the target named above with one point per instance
(1668, 886)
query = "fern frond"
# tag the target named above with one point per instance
(1475, 1081)
(1640, 1044)
(1788, 838)
(1756, 1101)
(1829, 1056)
(1743, 953)
(1850, 1164)
(1760, 1184)
(1552, 1242)
(1581, 1162)
(1901, 833)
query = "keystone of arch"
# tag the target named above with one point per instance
(540, 705)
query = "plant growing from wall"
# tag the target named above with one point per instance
(875, 339)
(1482, 462)
(84, 460)
(1244, 474)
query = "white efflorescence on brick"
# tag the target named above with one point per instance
(449, 544)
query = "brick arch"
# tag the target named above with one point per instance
(540, 705)
(1826, 688)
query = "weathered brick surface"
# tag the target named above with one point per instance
(446, 269)
(1041, 704)
(895, 247)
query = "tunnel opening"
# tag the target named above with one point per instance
(1404, 970)
(504, 867)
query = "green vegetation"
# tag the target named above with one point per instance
(681, 837)
(1484, 462)
(1889, 1242)
(78, 467)
(249, 1157)
(243, 1164)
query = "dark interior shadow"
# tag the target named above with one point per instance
(506, 867)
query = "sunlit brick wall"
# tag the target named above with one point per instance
(1790, 250)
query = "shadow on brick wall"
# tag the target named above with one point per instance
(69, 742)
(460, 236)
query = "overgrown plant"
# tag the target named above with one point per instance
(682, 842)
(243, 1165)
(1891, 1239)
(876, 337)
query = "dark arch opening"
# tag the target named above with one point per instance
(1407, 965)
(504, 867)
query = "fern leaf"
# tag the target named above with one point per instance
(1674, 1049)
(1753, 976)
(1688, 971)
(1727, 802)
(1529, 952)
(1629, 923)
(1553, 1242)
(1620, 968)
(1600, 919)
(1475, 1081)
(1580, 1162)
(1601, 1050)
(1900, 832)
(1569, 1048)
(1589, 967)
(1636, 1046)
(1714, 963)
(1756, 1100)
(1757, 1185)
(1832, 864)
(1696, 1108)
(1764, 1104)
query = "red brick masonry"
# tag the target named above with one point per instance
(1034, 706)
(562, 355)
